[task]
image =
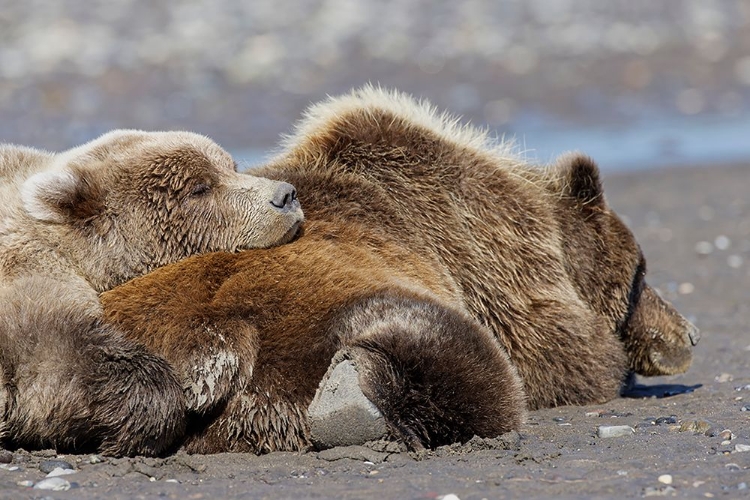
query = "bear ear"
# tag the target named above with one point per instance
(580, 180)
(68, 194)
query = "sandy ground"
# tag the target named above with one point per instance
(694, 226)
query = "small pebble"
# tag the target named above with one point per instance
(53, 483)
(733, 467)
(665, 479)
(48, 466)
(742, 486)
(722, 242)
(672, 419)
(745, 408)
(95, 459)
(659, 492)
(703, 248)
(734, 261)
(558, 419)
(727, 434)
(741, 448)
(742, 388)
(594, 413)
(59, 471)
(9, 467)
(724, 377)
(6, 457)
(685, 288)
(171, 481)
(449, 496)
(698, 483)
(25, 484)
(610, 431)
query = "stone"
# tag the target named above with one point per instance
(59, 471)
(704, 248)
(724, 377)
(610, 431)
(48, 466)
(659, 492)
(665, 479)
(95, 459)
(6, 457)
(53, 484)
(340, 414)
(25, 484)
(726, 435)
(354, 452)
(741, 448)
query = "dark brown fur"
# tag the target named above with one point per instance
(406, 208)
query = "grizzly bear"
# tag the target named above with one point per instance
(431, 257)
(77, 223)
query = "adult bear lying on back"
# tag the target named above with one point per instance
(425, 244)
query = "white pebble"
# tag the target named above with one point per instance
(449, 496)
(741, 448)
(25, 484)
(52, 483)
(59, 471)
(722, 242)
(704, 247)
(734, 261)
(724, 377)
(685, 288)
(610, 431)
(171, 481)
(665, 479)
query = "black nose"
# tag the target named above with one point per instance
(285, 197)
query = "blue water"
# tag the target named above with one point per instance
(643, 145)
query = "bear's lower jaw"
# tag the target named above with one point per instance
(675, 362)
(291, 234)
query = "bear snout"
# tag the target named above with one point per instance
(285, 197)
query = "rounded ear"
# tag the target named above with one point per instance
(67, 194)
(580, 180)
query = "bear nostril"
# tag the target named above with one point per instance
(285, 196)
(694, 334)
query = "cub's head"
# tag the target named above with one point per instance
(131, 201)
(609, 269)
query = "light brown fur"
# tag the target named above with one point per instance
(77, 223)
(443, 231)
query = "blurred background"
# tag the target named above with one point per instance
(635, 83)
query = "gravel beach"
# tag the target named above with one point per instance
(681, 436)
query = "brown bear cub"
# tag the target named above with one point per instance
(431, 257)
(77, 223)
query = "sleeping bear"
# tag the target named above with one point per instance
(464, 285)
(77, 223)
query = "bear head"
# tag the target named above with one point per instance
(608, 269)
(131, 201)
